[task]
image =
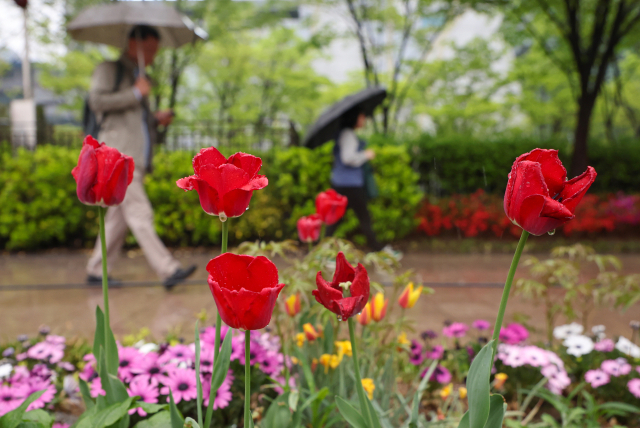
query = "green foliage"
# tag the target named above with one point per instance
(40, 207)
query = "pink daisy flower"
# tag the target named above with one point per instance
(514, 334)
(60, 425)
(129, 360)
(95, 388)
(11, 397)
(272, 363)
(181, 383)
(456, 329)
(481, 325)
(206, 359)
(605, 345)
(257, 354)
(148, 365)
(436, 353)
(223, 396)
(617, 367)
(208, 336)
(535, 356)
(46, 351)
(634, 387)
(147, 389)
(440, 374)
(596, 378)
(178, 354)
(35, 385)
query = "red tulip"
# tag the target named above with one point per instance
(539, 198)
(225, 186)
(330, 294)
(245, 289)
(309, 228)
(331, 206)
(102, 174)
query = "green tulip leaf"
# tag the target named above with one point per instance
(478, 387)
(350, 414)
(159, 420)
(190, 423)
(176, 418)
(496, 411)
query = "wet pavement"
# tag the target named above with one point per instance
(34, 290)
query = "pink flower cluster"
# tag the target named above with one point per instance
(456, 329)
(514, 334)
(151, 375)
(21, 383)
(550, 365)
(613, 368)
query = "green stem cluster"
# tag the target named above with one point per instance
(247, 378)
(364, 406)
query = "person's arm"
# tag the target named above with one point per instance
(102, 99)
(349, 154)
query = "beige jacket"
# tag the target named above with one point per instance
(120, 112)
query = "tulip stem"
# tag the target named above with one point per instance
(310, 246)
(323, 231)
(105, 286)
(247, 379)
(507, 289)
(364, 407)
(216, 349)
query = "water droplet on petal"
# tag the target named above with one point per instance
(552, 232)
(223, 217)
(339, 318)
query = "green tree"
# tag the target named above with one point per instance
(582, 38)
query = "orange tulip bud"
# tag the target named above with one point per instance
(364, 317)
(311, 333)
(292, 305)
(379, 307)
(409, 296)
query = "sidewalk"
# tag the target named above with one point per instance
(71, 311)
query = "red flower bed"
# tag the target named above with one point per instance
(482, 214)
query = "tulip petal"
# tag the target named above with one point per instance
(209, 156)
(209, 199)
(187, 183)
(360, 283)
(85, 174)
(325, 294)
(115, 186)
(525, 180)
(262, 274)
(236, 202)
(530, 215)
(224, 178)
(349, 306)
(230, 271)
(344, 271)
(554, 173)
(256, 183)
(90, 141)
(246, 162)
(576, 188)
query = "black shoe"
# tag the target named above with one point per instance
(178, 276)
(97, 281)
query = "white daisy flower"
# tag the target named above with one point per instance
(5, 370)
(578, 345)
(564, 331)
(626, 346)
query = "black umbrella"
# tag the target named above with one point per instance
(328, 124)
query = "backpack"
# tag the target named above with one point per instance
(90, 124)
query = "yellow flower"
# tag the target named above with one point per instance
(446, 391)
(314, 364)
(294, 360)
(311, 333)
(409, 296)
(402, 339)
(379, 307)
(364, 317)
(300, 339)
(343, 348)
(325, 360)
(335, 361)
(499, 380)
(292, 304)
(369, 387)
(462, 392)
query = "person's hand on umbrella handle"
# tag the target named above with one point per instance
(164, 117)
(143, 86)
(370, 154)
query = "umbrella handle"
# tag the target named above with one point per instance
(141, 72)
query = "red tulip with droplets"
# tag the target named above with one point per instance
(333, 295)
(309, 228)
(224, 186)
(102, 174)
(539, 198)
(331, 206)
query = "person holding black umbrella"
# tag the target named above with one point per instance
(352, 175)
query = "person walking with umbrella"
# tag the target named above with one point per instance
(352, 174)
(118, 97)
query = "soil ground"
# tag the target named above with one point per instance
(48, 289)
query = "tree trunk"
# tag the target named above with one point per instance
(580, 158)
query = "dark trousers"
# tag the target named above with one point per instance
(358, 198)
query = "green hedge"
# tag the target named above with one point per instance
(40, 208)
(463, 165)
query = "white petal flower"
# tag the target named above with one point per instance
(626, 346)
(578, 345)
(145, 348)
(564, 331)
(5, 370)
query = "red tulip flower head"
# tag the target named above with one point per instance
(102, 174)
(245, 289)
(225, 186)
(539, 198)
(331, 206)
(332, 295)
(309, 228)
